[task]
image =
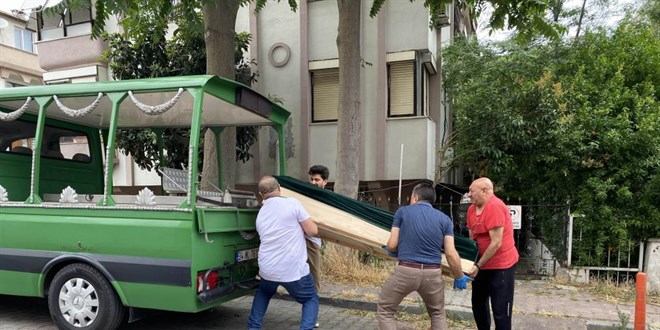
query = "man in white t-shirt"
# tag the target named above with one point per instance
(282, 224)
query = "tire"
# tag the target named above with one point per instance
(80, 298)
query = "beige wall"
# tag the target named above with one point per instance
(400, 26)
(417, 136)
(16, 66)
(278, 24)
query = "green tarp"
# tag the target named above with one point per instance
(466, 247)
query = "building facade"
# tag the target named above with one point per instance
(19, 64)
(405, 116)
(68, 54)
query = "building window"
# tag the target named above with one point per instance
(23, 39)
(325, 95)
(401, 88)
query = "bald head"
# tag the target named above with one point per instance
(481, 190)
(268, 185)
(483, 183)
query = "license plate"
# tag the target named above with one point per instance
(248, 254)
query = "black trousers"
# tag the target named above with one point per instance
(494, 287)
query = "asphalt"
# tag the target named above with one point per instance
(538, 304)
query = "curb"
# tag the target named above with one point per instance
(460, 313)
(605, 325)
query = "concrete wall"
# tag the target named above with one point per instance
(16, 66)
(652, 265)
(323, 18)
(277, 23)
(407, 25)
(127, 173)
(417, 136)
(71, 52)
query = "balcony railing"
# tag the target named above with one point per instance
(68, 23)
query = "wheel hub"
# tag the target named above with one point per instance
(79, 302)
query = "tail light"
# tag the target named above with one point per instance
(211, 281)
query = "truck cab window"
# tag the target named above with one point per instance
(17, 137)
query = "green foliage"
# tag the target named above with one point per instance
(576, 122)
(528, 18)
(144, 52)
(260, 4)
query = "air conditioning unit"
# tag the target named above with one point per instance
(442, 18)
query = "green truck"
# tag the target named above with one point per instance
(100, 257)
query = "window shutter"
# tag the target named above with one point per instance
(402, 88)
(325, 85)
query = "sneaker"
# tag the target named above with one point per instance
(316, 325)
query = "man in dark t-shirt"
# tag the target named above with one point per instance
(419, 232)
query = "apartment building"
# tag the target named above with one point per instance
(19, 64)
(405, 116)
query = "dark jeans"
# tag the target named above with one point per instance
(302, 290)
(494, 286)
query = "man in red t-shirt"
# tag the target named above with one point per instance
(489, 222)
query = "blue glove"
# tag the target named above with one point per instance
(390, 253)
(461, 283)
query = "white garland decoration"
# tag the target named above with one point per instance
(4, 196)
(105, 175)
(156, 109)
(15, 114)
(80, 112)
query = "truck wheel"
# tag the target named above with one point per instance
(80, 298)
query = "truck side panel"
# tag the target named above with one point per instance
(152, 258)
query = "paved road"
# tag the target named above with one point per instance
(31, 313)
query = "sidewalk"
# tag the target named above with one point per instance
(537, 305)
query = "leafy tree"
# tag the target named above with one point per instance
(217, 27)
(147, 20)
(184, 54)
(573, 122)
(219, 20)
(525, 16)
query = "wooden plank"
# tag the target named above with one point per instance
(343, 228)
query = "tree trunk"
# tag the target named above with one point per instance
(348, 120)
(219, 31)
(577, 34)
(555, 7)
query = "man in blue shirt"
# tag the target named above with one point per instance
(419, 233)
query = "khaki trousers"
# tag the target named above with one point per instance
(314, 261)
(404, 280)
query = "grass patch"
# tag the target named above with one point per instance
(346, 265)
(349, 266)
(602, 289)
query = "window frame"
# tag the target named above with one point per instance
(313, 99)
(389, 89)
(19, 43)
(421, 78)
